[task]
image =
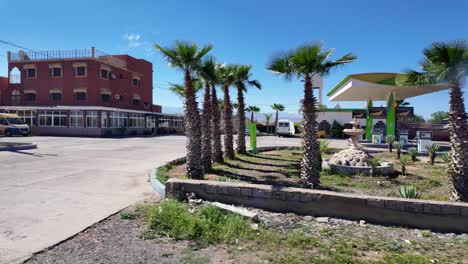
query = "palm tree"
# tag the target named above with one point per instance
(252, 109)
(178, 89)
(267, 118)
(187, 57)
(208, 75)
(227, 78)
(242, 80)
(216, 152)
(447, 62)
(304, 63)
(277, 108)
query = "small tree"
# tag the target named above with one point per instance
(390, 140)
(324, 147)
(398, 146)
(439, 117)
(445, 157)
(268, 118)
(404, 161)
(432, 149)
(336, 129)
(413, 152)
(374, 163)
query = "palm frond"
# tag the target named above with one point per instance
(280, 64)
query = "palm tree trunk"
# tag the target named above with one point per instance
(217, 152)
(241, 149)
(193, 130)
(228, 128)
(458, 166)
(311, 158)
(251, 117)
(206, 129)
(276, 122)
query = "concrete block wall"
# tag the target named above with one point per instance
(438, 216)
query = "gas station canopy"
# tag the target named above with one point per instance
(377, 87)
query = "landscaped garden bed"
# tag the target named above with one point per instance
(174, 232)
(282, 167)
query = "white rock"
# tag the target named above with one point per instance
(322, 219)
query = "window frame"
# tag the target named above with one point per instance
(85, 71)
(78, 98)
(31, 77)
(52, 72)
(76, 118)
(52, 97)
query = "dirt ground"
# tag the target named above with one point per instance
(118, 240)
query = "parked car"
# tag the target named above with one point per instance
(285, 128)
(11, 125)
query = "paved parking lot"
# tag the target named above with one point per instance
(65, 185)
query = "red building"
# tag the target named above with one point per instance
(112, 92)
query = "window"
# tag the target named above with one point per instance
(53, 118)
(76, 119)
(137, 120)
(146, 105)
(56, 72)
(118, 119)
(27, 116)
(80, 71)
(15, 97)
(104, 74)
(56, 97)
(136, 82)
(80, 96)
(31, 73)
(104, 123)
(30, 97)
(105, 98)
(136, 102)
(91, 119)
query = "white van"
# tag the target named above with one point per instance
(285, 128)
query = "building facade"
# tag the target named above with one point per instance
(83, 92)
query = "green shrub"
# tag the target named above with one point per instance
(390, 140)
(336, 130)
(409, 192)
(445, 157)
(413, 152)
(298, 127)
(432, 149)
(208, 225)
(162, 173)
(324, 146)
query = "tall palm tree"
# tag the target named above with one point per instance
(208, 75)
(227, 78)
(277, 108)
(447, 62)
(268, 118)
(216, 151)
(252, 109)
(187, 57)
(304, 63)
(242, 80)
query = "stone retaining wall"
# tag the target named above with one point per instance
(438, 216)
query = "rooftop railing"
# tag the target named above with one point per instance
(92, 53)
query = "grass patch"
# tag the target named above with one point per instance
(162, 173)
(128, 215)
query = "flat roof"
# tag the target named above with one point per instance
(77, 108)
(377, 86)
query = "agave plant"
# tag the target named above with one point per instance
(409, 192)
(404, 161)
(413, 152)
(324, 146)
(390, 140)
(445, 157)
(398, 146)
(432, 149)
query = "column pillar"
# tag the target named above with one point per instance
(369, 122)
(390, 126)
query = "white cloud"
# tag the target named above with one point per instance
(133, 40)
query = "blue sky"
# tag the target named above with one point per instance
(387, 36)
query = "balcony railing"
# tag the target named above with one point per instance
(66, 54)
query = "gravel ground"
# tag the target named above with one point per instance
(117, 240)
